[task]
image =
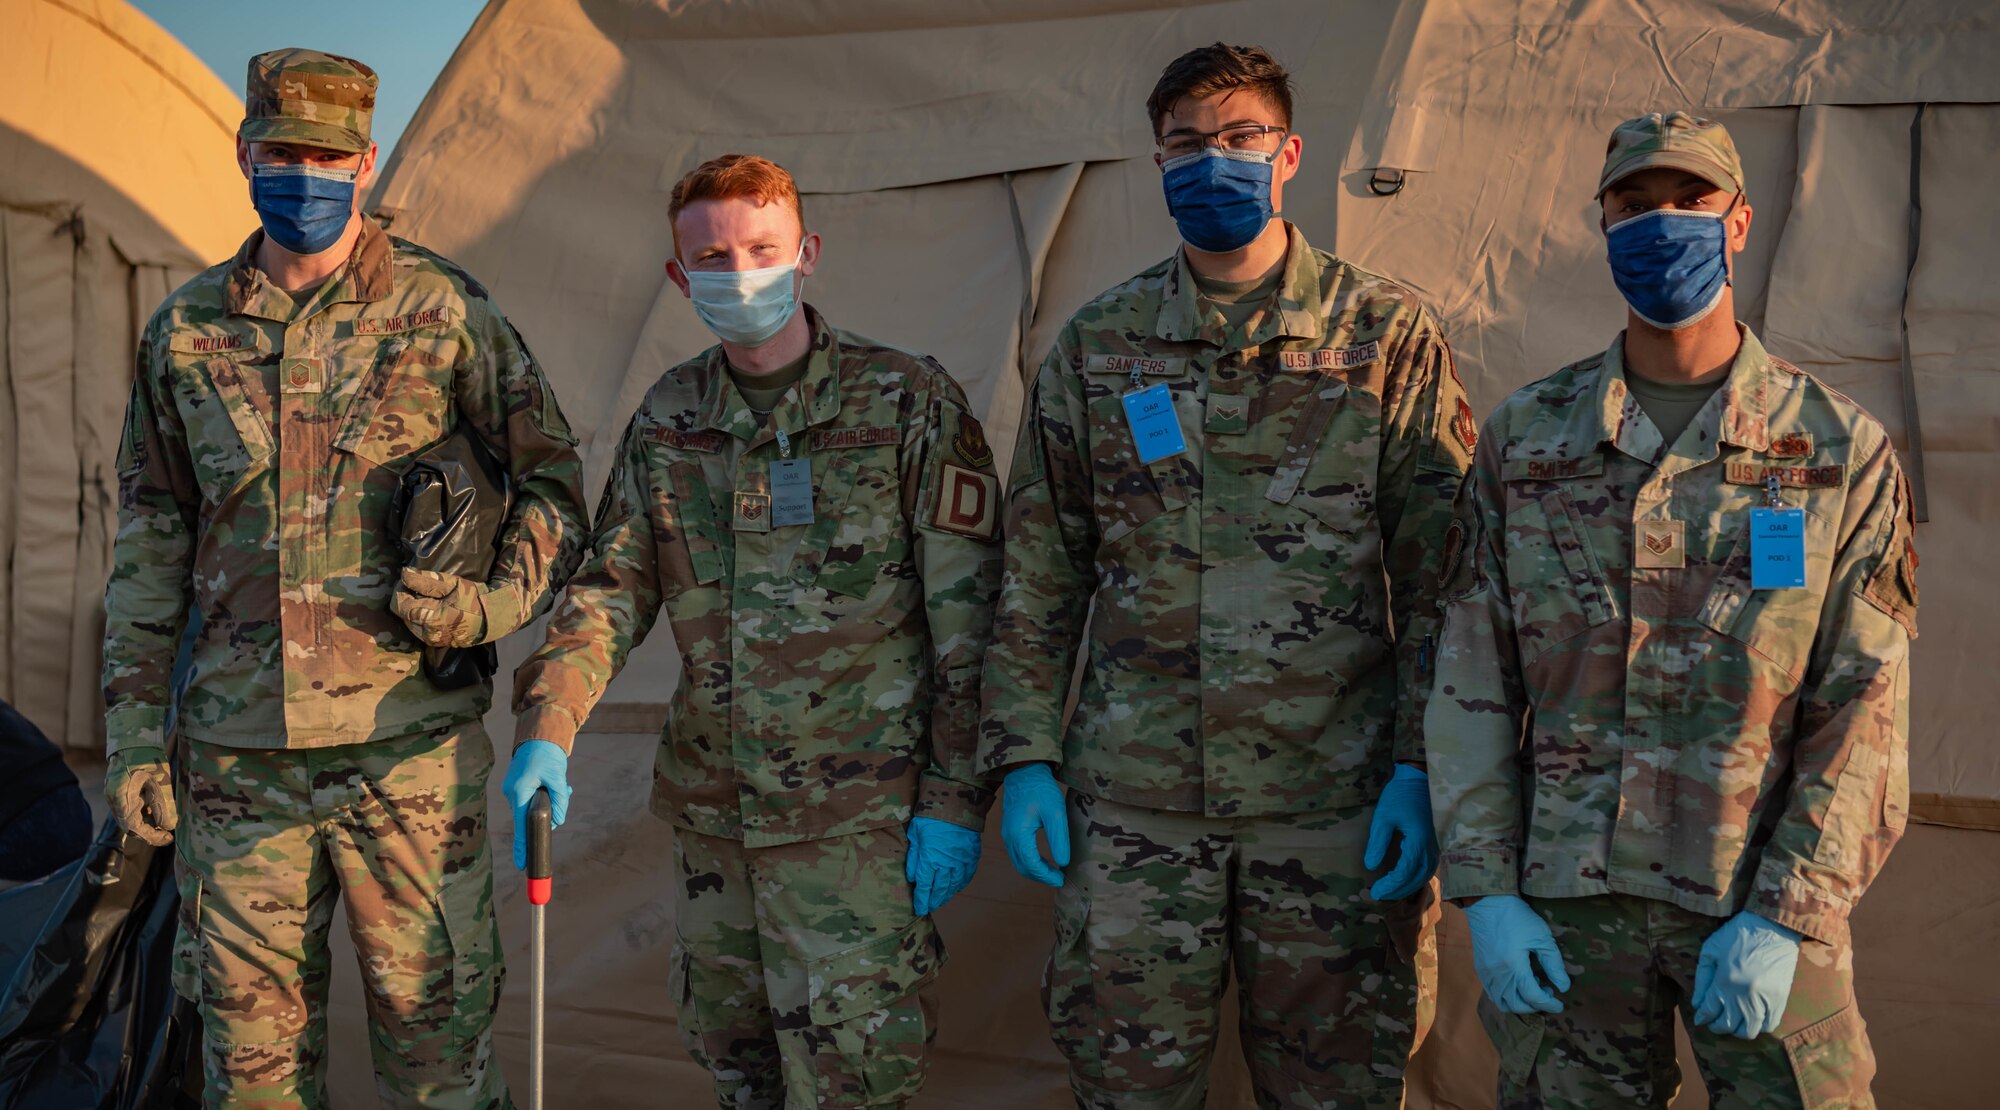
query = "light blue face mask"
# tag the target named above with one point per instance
(745, 307)
(1671, 266)
(1220, 199)
(303, 209)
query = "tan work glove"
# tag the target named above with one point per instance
(442, 610)
(141, 792)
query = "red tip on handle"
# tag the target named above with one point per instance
(539, 891)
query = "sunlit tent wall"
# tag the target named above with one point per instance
(117, 183)
(979, 169)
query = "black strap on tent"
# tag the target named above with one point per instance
(1911, 422)
(1027, 277)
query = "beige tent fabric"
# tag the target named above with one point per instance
(966, 160)
(116, 182)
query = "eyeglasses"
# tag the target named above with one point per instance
(1254, 138)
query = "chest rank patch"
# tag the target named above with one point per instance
(1791, 445)
(836, 439)
(710, 442)
(1332, 358)
(1660, 545)
(968, 502)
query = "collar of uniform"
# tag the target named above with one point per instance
(1746, 410)
(1183, 320)
(724, 408)
(1745, 403)
(368, 276)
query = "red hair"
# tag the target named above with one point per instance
(732, 177)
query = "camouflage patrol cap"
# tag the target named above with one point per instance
(1675, 139)
(304, 96)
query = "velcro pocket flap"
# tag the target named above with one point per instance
(876, 974)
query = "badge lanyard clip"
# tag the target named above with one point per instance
(1772, 497)
(784, 444)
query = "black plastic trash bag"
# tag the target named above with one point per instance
(88, 1014)
(44, 819)
(446, 517)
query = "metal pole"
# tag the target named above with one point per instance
(541, 880)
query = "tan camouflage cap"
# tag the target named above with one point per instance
(304, 96)
(1676, 139)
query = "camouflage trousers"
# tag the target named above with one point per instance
(396, 830)
(1335, 989)
(801, 972)
(1631, 963)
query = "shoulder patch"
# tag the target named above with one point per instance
(968, 502)
(709, 442)
(839, 439)
(1465, 426)
(970, 443)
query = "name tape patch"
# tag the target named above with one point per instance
(1797, 477)
(1128, 364)
(710, 442)
(1333, 358)
(211, 344)
(408, 321)
(835, 439)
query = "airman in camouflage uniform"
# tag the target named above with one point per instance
(1631, 735)
(828, 695)
(1260, 606)
(265, 437)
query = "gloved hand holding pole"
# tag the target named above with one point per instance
(541, 882)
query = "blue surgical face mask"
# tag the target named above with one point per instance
(1671, 266)
(745, 307)
(303, 208)
(1221, 199)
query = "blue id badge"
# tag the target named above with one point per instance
(1777, 549)
(1156, 430)
(791, 492)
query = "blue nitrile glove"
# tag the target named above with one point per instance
(1403, 810)
(940, 863)
(1508, 940)
(1032, 800)
(536, 763)
(1744, 977)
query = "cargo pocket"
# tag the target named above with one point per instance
(228, 437)
(1069, 997)
(870, 1027)
(680, 987)
(1518, 1039)
(476, 970)
(1329, 461)
(1557, 586)
(1833, 1063)
(405, 404)
(187, 932)
(1767, 622)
